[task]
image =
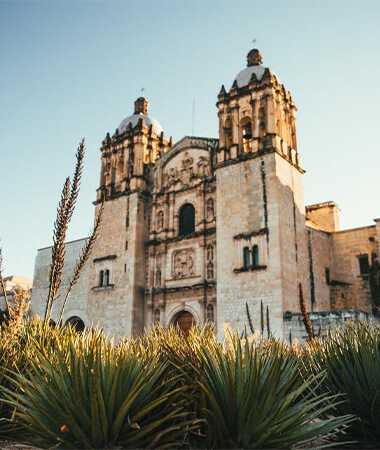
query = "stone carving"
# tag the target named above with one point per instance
(171, 176)
(210, 271)
(160, 220)
(210, 211)
(187, 160)
(203, 166)
(158, 276)
(187, 171)
(183, 263)
(157, 315)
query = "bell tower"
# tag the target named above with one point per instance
(256, 114)
(118, 269)
(260, 203)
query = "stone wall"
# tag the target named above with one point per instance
(350, 288)
(77, 302)
(320, 266)
(324, 215)
(321, 321)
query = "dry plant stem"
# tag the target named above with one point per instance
(262, 318)
(86, 252)
(58, 251)
(65, 211)
(249, 318)
(268, 324)
(305, 315)
(2, 284)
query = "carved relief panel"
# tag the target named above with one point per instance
(186, 168)
(183, 263)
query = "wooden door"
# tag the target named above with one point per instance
(185, 321)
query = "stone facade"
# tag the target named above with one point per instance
(214, 229)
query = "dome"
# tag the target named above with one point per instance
(141, 112)
(133, 120)
(254, 59)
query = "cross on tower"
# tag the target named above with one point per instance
(142, 90)
(254, 41)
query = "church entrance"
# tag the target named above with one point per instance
(185, 321)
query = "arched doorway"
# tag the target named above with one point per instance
(77, 323)
(185, 320)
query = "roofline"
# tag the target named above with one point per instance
(354, 229)
(66, 243)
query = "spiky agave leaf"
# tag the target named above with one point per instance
(96, 395)
(351, 358)
(255, 398)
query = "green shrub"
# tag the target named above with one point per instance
(18, 350)
(254, 397)
(96, 395)
(351, 358)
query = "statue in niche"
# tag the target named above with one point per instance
(210, 252)
(158, 276)
(210, 271)
(160, 220)
(210, 212)
(183, 263)
(157, 315)
(203, 167)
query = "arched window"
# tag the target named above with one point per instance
(120, 169)
(101, 278)
(263, 131)
(246, 130)
(210, 313)
(246, 257)
(186, 220)
(107, 278)
(255, 256)
(228, 132)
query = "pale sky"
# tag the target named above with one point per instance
(73, 69)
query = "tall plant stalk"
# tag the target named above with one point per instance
(65, 211)
(86, 252)
(2, 284)
(249, 318)
(305, 315)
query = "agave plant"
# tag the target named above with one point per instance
(96, 395)
(18, 350)
(351, 358)
(254, 397)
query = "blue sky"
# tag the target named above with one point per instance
(73, 69)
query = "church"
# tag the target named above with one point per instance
(216, 229)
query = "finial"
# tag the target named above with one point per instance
(254, 40)
(141, 106)
(254, 58)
